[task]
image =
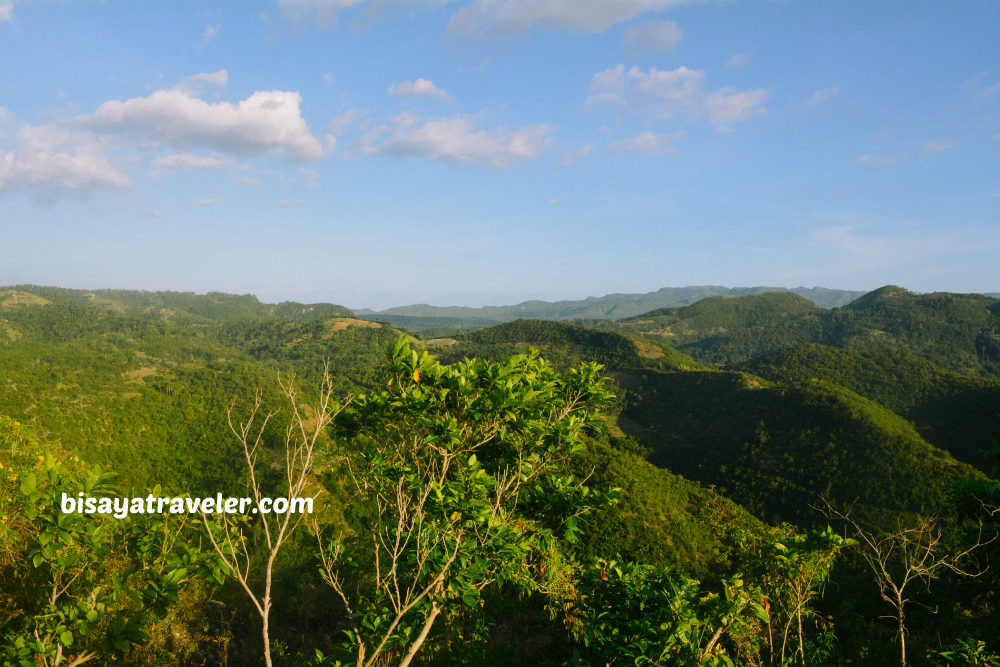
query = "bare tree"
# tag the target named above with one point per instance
(908, 555)
(301, 437)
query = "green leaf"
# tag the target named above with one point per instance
(66, 638)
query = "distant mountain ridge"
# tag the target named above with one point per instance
(610, 306)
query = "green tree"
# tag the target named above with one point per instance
(74, 587)
(460, 471)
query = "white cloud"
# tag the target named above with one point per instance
(821, 96)
(197, 83)
(725, 105)
(553, 202)
(51, 160)
(292, 202)
(868, 160)
(207, 202)
(738, 60)
(665, 93)
(190, 161)
(6, 11)
(649, 143)
(457, 140)
(938, 146)
(328, 79)
(418, 88)
(6, 121)
(210, 32)
(663, 36)
(504, 18)
(265, 122)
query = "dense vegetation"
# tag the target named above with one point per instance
(657, 509)
(960, 332)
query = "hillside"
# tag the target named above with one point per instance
(960, 332)
(955, 412)
(611, 306)
(693, 469)
(775, 447)
(778, 448)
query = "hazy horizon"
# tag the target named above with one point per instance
(375, 153)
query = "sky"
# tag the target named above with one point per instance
(377, 153)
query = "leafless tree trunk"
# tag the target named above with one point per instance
(300, 441)
(905, 556)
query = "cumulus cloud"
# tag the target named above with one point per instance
(457, 140)
(51, 160)
(498, 19)
(821, 96)
(938, 146)
(665, 93)
(663, 36)
(649, 143)
(418, 88)
(266, 122)
(6, 11)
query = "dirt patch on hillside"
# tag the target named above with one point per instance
(18, 299)
(341, 323)
(647, 349)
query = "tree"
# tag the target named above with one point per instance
(302, 434)
(793, 569)
(78, 588)
(904, 556)
(459, 471)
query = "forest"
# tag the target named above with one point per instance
(744, 480)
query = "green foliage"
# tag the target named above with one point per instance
(955, 412)
(628, 613)
(960, 332)
(966, 652)
(79, 586)
(778, 449)
(461, 469)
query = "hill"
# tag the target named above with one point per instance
(960, 332)
(775, 447)
(611, 306)
(778, 448)
(958, 413)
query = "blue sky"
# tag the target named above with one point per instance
(378, 152)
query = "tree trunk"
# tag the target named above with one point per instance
(415, 646)
(902, 639)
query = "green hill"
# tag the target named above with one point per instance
(958, 413)
(960, 332)
(610, 306)
(779, 448)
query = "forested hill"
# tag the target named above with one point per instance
(611, 306)
(732, 420)
(960, 332)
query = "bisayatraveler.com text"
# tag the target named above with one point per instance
(122, 507)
